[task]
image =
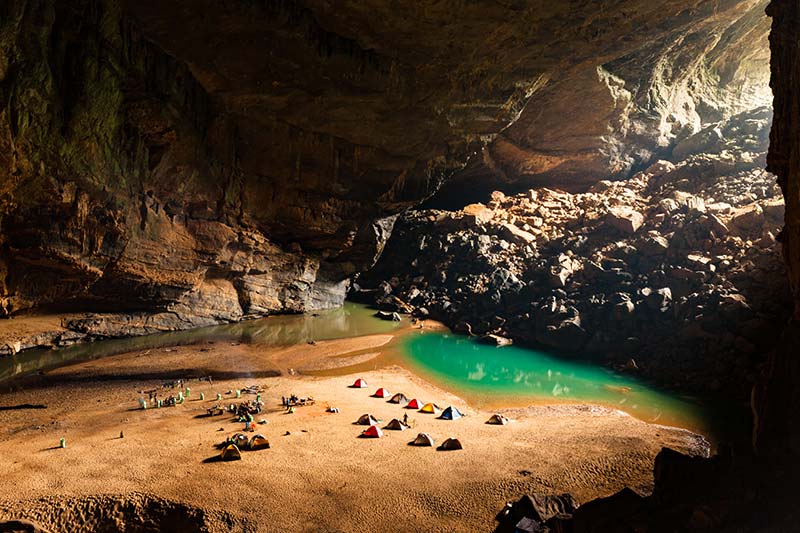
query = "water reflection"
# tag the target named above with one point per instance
(351, 320)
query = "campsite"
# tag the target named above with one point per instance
(312, 454)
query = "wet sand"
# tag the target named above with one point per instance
(320, 475)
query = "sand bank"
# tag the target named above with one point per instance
(320, 473)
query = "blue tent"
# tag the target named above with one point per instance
(451, 413)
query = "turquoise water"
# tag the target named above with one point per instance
(492, 376)
(350, 320)
(485, 376)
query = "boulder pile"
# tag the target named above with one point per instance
(677, 268)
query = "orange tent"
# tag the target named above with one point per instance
(414, 404)
(372, 432)
(381, 393)
(359, 384)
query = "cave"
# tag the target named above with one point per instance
(233, 189)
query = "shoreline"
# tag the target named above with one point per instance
(335, 475)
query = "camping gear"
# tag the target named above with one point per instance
(396, 424)
(451, 413)
(399, 398)
(367, 420)
(359, 384)
(430, 408)
(381, 393)
(423, 439)
(373, 432)
(497, 419)
(259, 442)
(230, 453)
(451, 444)
(414, 404)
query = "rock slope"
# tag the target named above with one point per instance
(676, 268)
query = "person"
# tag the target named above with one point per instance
(283, 401)
(248, 421)
(405, 418)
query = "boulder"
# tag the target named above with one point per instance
(495, 340)
(749, 219)
(624, 219)
(515, 234)
(387, 315)
(478, 213)
(654, 244)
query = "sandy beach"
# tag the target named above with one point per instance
(318, 474)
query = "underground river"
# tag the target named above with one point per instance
(485, 376)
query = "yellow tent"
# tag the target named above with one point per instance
(430, 408)
(230, 453)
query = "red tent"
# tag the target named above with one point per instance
(381, 393)
(414, 404)
(372, 432)
(359, 384)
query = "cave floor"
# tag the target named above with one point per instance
(317, 470)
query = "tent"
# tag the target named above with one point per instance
(451, 413)
(414, 404)
(430, 408)
(451, 444)
(240, 440)
(359, 384)
(230, 453)
(367, 420)
(373, 432)
(498, 420)
(423, 439)
(381, 393)
(259, 442)
(396, 424)
(398, 398)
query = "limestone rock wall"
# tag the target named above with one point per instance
(627, 107)
(209, 161)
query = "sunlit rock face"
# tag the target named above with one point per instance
(629, 106)
(209, 161)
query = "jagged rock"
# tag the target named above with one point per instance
(749, 219)
(386, 315)
(625, 220)
(536, 507)
(479, 213)
(516, 234)
(658, 300)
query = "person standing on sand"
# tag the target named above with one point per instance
(405, 418)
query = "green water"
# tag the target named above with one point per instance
(492, 376)
(350, 320)
(485, 376)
